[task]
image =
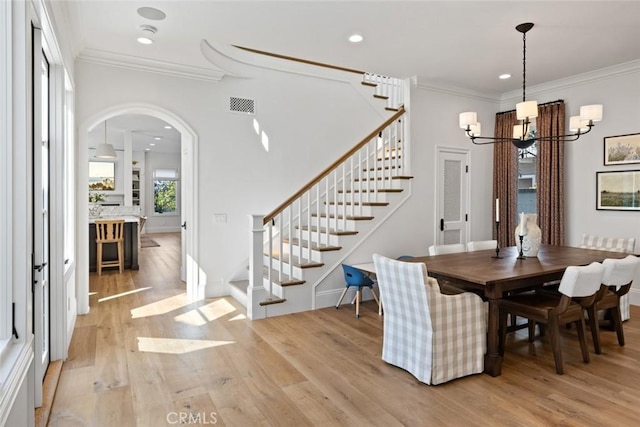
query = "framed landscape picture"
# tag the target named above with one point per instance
(102, 176)
(618, 191)
(622, 149)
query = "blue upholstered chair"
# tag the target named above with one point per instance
(358, 279)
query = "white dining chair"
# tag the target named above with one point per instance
(481, 245)
(453, 248)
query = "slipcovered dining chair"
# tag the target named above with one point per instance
(613, 244)
(446, 249)
(618, 277)
(357, 279)
(578, 290)
(435, 337)
(481, 245)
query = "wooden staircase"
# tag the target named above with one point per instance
(307, 237)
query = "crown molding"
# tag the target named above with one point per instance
(149, 65)
(456, 90)
(576, 80)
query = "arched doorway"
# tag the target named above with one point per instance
(189, 211)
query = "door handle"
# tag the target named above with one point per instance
(40, 267)
(441, 224)
(184, 225)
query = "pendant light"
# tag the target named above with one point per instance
(104, 150)
(522, 137)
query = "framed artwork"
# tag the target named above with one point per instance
(622, 149)
(618, 191)
(102, 176)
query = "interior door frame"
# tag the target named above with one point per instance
(466, 202)
(189, 204)
(41, 221)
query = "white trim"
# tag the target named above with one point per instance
(195, 282)
(6, 172)
(577, 80)
(102, 57)
(14, 367)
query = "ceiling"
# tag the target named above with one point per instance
(462, 44)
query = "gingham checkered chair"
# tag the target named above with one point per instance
(435, 337)
(612, 244)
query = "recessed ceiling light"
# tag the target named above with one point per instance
(151, 13)
(147, 149)
(147, 31)
(504, 76)
(168, 127)
(157, 138)
(152, 144)
(355, 38)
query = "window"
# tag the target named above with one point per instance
(527, 180)
(165, 191)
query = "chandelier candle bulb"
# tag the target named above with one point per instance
(468, 118)
(474, 130)
(591, 112)
(527, 110)
(577, 124)
(497, 210)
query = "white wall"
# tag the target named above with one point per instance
(309, 121)
(434, 122)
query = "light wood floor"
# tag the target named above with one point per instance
(145, 356)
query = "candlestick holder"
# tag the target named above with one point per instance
(497, 255)
(521, 255)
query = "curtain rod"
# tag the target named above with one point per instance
(557, 101)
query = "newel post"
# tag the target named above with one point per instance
(256, 291)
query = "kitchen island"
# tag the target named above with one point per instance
(109, 251)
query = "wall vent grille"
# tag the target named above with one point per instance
(242, 105)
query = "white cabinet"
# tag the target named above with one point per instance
(135, 187)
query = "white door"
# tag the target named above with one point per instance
(41, 295)
(452, 199)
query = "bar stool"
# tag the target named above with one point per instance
(109, 231)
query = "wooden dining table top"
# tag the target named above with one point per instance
(480, 269)
(493, 278)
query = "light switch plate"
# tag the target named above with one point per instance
(219, 218)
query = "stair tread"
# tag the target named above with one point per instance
(360, 203)
(380, 96)
(332, 232)
(349, 217)
(314, 245)
(282, 280)
(296, 262)
(369, 84)
(272, 301)
(381, 190)
(379, 178)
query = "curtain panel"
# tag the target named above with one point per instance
(550, 173)
(505, 178)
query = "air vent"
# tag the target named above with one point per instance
(242, 105)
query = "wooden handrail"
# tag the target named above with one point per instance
(304, 61)
(333, 165)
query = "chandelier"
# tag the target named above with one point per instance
(523, 133)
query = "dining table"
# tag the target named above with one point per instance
(494, 277)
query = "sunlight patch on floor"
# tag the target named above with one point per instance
(238, 317)
(160, 307)
(134, 291)
(175, 345)
(207, 313)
